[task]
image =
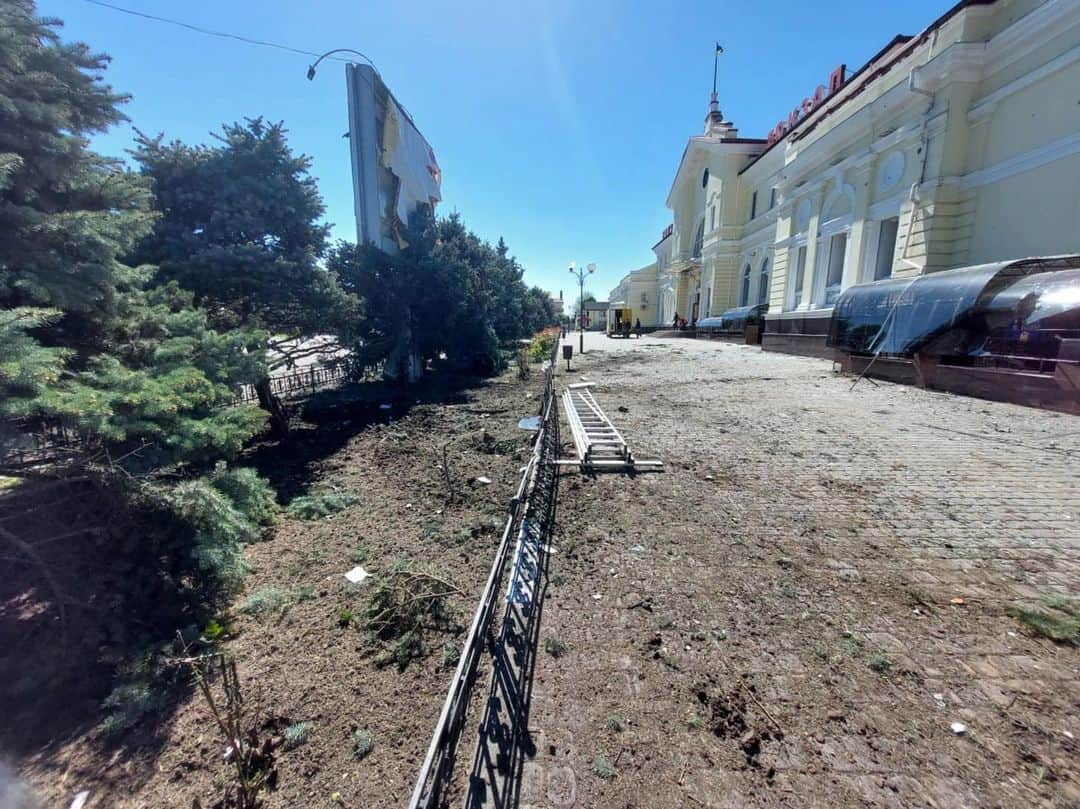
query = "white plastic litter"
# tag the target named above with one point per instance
(483, 480)
(357, 575)
(597, 596)
(959, 728)
(80, 800)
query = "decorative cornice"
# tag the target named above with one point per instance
(1030, 32)
(700, 147)
(810, 158)
(960, 62)
(890, 206)
(982, 109)
(1017, 164)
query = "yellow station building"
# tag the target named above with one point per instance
(958, 145)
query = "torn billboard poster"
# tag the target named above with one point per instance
(395, 173)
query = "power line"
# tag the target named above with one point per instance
(223, 34)
(247, 40)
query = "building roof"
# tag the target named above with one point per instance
(896, 49)
(705, 143)
(669, 231)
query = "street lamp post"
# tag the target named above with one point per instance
(311, 67)
(581, 272)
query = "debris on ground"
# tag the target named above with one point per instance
(802, 561)
(357, 575)
(321, 657)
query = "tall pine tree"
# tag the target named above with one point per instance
(448, 292)
(240, 227)
(95, 350)
(66, 213)
(134, 376)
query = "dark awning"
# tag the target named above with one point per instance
(957, 311)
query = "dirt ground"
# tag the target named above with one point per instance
(798, 610)
(795, 612)
(300, 664)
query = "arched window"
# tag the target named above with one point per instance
(744, 291)
(704, 178)
(699, 240)
(763, 282)
(832, 249)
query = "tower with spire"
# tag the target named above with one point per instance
(715, 125)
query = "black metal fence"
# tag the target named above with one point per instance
(27, 443)
(308, 380)
(535, 492)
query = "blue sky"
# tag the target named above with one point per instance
(558, 125)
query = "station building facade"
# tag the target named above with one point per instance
(959, 145)
(638, 291)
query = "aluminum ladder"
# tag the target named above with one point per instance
(599, 445)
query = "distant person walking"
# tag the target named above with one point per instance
(675, 322)
(637, 327)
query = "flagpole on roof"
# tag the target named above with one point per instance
(716, 59)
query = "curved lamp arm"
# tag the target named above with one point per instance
(311, 67)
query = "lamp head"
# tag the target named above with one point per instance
(310, 72)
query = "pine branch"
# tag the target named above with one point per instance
(31, 553)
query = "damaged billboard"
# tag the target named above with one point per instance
(395, 173)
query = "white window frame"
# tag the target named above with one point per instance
(839, 225)
(824, 261)
(793, 294)
(764, 273)
(697, 249)
(746, 281)
(869, 267)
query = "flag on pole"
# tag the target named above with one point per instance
(719, 49)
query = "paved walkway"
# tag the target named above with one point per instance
(799, 610)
